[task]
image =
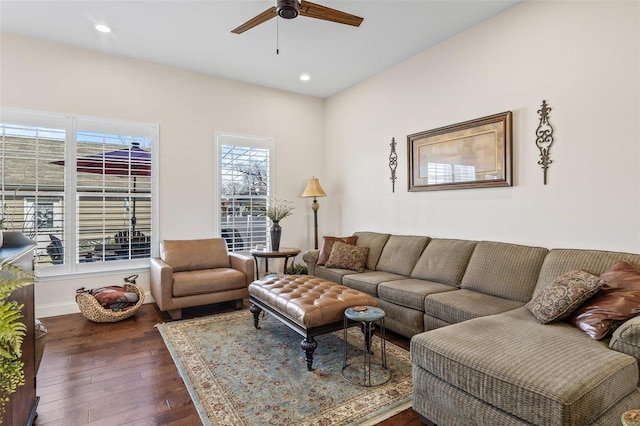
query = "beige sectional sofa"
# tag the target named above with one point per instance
(479, 356)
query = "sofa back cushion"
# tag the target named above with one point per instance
(504, 270)
(559, 261)
(193, 255)
(444, 261)
(375, 242)
(400, 254)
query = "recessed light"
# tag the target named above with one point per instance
(103, 28)
(305, 77)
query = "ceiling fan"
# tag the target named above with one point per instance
(289, 9)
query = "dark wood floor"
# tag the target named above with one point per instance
(122, 374)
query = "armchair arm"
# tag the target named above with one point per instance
(311, 258)
(161, 282)
(243, 264)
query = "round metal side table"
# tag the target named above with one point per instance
(365, 370)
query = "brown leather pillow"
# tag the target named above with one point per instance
(617, 301)
(327, 246)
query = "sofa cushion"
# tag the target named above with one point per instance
(504, 270)
(462, 305)
(188, 283)
(543, 374)
(193, 255)
(445, 404)
(626, 338)
(559, 261)
(444, 261)
(327, 246)
(347, 256)
(332, 274)
(367, 282)
(375, 241)
(617, 301)
(410, 292)
(400, 254)
(400, 319)
(560, 299)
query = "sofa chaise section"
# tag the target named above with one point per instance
(509, 369)
(524, 372)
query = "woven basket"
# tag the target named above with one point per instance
(92, 310)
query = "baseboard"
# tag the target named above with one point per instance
(55, 309)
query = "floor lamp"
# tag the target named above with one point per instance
(314, 190)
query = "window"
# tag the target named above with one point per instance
(100, 209)
(244, 186)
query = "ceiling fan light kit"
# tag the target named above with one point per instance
(289, 9)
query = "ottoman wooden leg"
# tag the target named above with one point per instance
(255, 310)
(309, 345)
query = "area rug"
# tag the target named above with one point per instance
(238, 375)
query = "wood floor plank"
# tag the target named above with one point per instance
(122, 373)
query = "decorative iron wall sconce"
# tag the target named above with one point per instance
(393, 163)
(544, 138)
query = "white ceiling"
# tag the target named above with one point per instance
(196, 35)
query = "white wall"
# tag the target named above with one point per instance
(189, 108)
(582, 57)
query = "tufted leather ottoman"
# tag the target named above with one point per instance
(309, 305)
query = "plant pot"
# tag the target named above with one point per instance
(276, 234)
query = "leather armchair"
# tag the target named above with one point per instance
(198, 272)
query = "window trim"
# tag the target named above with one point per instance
(69, 122)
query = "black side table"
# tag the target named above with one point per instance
(363, 371)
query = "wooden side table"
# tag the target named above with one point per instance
(283, 253)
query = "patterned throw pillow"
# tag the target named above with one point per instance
(617, 301)
(347, 256)
(327, 246)
(565, 295)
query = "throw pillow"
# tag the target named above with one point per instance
(617, 301)
(347, 256)
(327, 246)
(566, 294)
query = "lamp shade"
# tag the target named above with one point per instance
(314, 189)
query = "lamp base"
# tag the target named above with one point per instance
(315, 206)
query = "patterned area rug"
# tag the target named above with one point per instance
(237, 375)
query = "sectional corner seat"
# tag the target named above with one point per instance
(479, 356)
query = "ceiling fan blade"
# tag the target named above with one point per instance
(317, 11)
(256, 20)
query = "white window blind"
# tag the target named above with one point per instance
(82, 191)
(245, 187)
(113, 195)
(32, 188)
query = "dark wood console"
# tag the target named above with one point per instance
(21, 408)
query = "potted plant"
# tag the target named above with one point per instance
(297, 269)
(12, 332)
(276, 211)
